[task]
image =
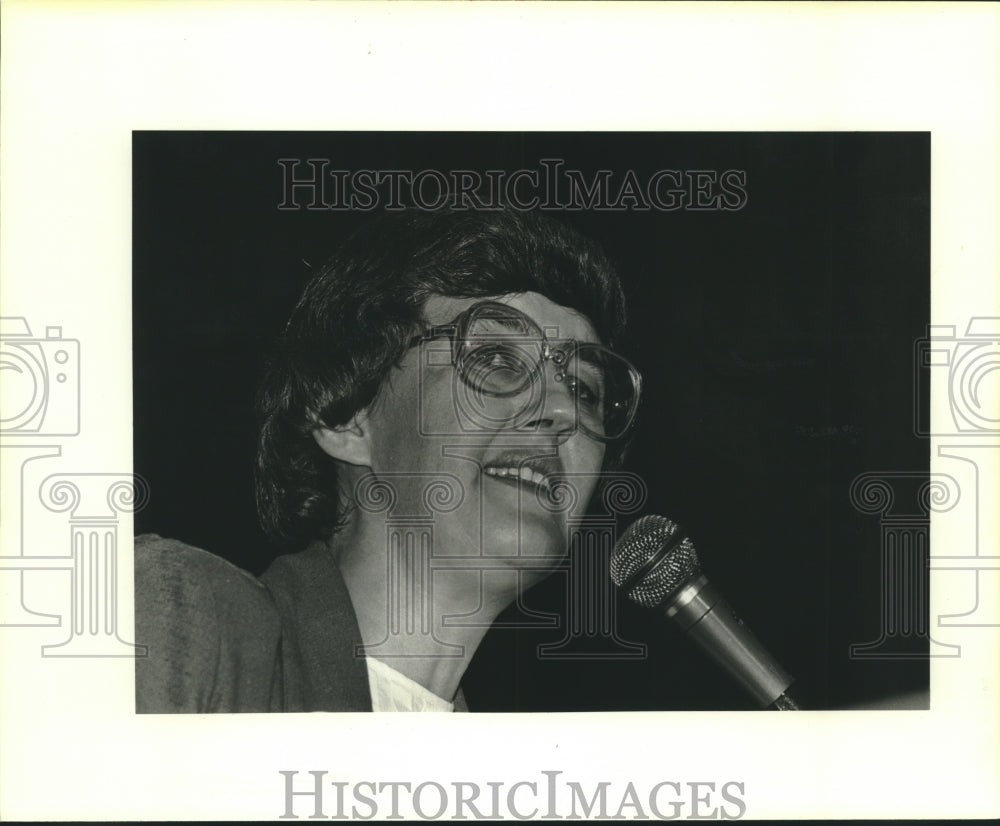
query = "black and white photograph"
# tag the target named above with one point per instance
(480, 407)
(618, 380)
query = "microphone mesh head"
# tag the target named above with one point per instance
(640, 542)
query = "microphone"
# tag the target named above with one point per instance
(655, 564)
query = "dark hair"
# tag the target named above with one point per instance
(357, 315)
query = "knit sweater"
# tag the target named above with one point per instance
(221, 640)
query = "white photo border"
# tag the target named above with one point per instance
(79, 77)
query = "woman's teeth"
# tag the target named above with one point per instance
(525, 474)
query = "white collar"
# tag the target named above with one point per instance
(393, 691)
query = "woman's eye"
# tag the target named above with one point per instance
(583, 392)
(497, 368)
(499, 358)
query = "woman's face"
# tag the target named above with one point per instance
(491, 472)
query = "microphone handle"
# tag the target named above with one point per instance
(708, 620)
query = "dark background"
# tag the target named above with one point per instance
(776, 345)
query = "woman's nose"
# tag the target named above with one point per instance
(553, 407)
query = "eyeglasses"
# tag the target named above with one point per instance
(499, 351)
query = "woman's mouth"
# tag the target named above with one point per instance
(524, 476)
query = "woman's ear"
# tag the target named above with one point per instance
(349, 443)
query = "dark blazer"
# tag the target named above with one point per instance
(220, 640)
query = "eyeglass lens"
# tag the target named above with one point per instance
(501, 352)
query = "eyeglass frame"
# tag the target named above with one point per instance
(559, 356)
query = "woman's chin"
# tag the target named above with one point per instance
(532, 538)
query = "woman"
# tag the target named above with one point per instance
(441, 386)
